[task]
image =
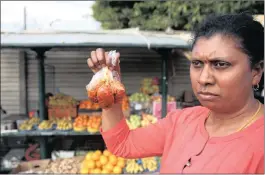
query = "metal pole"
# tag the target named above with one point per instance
(164, 83)
(164, 77)
(41, 72)
(42, 107)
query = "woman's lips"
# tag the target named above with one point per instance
(207, 96)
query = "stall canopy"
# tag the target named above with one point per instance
(113, 38)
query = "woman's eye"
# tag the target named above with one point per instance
(197, 64)
(221, 64)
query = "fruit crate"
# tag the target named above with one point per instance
(62, 111)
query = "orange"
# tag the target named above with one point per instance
(109, 167)
(95, 156)
(83, 171)
(84, 164)
(117, 170)
(105, 171)
(121, 163)
(103, 160)
(97, 171)
(121, 158)
(113, 160)
(90, 164)
(94, 125)
(98, 152)
(98, 164)
(88, 156)
(106, 153)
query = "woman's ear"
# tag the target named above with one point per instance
(257, 72)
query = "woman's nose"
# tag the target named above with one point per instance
(206, 76)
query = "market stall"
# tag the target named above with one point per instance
(67, 116)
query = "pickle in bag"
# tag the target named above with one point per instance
(105, 87)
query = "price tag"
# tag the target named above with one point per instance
(138, 107)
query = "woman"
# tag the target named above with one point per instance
(226, 133)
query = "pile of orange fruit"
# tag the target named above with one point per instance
(80, 123)
(99, 162)
(88, 104)
(87, 123)
(93, 124)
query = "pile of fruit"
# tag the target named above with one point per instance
(137, 166)
(28, 125)
(80, 123)
(87, 123)
(139, 98)
(148, 119)
(93, 124)
(47, 125)
(88, 104)
(150, 86)
(64, 166)
(136, 121)
(158, 98)
(64, 124)
(62, 100)
(102, 163)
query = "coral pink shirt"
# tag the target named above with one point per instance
(182, 136)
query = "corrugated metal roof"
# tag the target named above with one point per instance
(115, 38)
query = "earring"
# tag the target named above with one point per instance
(256, 87)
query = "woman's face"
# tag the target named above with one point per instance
(220, 73)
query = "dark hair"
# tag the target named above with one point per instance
(248, 32)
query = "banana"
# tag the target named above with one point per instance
(150, 164)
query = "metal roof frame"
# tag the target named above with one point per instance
(92, 39)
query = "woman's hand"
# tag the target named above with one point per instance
(99, 58)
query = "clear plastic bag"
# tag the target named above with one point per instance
(105, 87)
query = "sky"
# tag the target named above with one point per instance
(48, 15)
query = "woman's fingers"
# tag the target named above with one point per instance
(118, 59)
(117, 66)
(101, 57)
(91, 65)
(108, 60)
(94, 58)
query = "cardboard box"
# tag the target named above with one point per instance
(36, 165)
(62, 111)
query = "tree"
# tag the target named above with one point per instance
(159, 15)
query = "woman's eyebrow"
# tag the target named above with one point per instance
(193, 58)
(219, 59)
(210, 59)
